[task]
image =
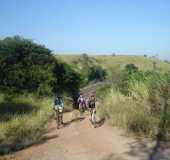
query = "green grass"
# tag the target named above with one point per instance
(114, 64)
(24, 119)
(123, 111)
(141, 62)
(23, 122)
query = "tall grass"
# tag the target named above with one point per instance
(123, 111)
(19, 126)
(139, 105)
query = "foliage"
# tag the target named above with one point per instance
(25, 66)
(166, 61)
(96, 73)
(24, 119)
(127, 113)
(131, 68)
(23, 122)
(29, 67)
(67, 80)
(139, 102)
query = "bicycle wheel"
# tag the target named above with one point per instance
(93, 118)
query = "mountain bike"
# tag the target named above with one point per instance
(81, 108)
(59, 117)
(93, 116)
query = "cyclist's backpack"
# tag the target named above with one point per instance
(57, 101)
(92, 103)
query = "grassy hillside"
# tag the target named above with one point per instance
(108, 62)
(141, 62)
(116, 63)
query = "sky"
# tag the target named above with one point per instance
(91, 26)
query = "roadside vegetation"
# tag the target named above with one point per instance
(29, 77)
(86, 66)
(23, 120)
(138, 102)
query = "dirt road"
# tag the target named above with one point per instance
(78, 140)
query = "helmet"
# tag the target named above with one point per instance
(92, 95)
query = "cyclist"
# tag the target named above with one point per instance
(87, 103)
(58, 107)
(92, 106)
(81, 104)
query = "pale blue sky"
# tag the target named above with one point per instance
(91, 26)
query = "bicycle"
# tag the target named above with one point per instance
(59, 117)
(81, 108)
(93, 116)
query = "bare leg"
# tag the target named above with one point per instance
(55, 114)
(58, 119)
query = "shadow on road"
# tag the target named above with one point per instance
(147, 150)
(5, 149)
(66, 124)
(44, 139)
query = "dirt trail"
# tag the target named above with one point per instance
(91, 88)
(79, 140)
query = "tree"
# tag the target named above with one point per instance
(96, 73)
(154, 65)
(29, 67)
(113, 54)
(131, 68)
(85, 57)
(25, 66)
(67, 80)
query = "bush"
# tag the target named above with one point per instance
(96, 73)
(27, 67)
(166, 61)
(131, 68)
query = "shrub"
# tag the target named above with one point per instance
(27, 67)
(131, 68)
(96, 73)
